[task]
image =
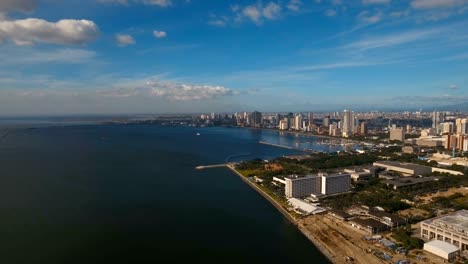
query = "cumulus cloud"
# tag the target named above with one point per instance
(258, 12)
(160, 3)
(159, 34)
(430, 4)
(33, 30)
(124, 40)
(368, 18)
(17, 5)
(170, 91)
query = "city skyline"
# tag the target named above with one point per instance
(172, 56)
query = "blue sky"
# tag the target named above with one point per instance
(152, 56)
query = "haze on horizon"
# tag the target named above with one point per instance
(150, 56)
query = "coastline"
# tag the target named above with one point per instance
(345, 140)
(287, 215)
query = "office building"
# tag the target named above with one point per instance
(406, 169)
(451, 228)
(335, 183)
(363, 130)
(397, 134)
(348, 123)
(297, 187)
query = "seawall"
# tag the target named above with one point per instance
(286, 214)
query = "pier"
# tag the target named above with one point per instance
(210, 166)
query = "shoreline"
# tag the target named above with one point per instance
(287, 215)
(307, 134)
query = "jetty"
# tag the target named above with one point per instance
(210, 166)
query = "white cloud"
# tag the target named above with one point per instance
(17, 5)
(32, 30)
(368, 18)
(160, 3)
(271, 11)
(258, 12)
(429, 4)
(330, 13)
(371, 2)
(218, 22)
(253, 13)
(124, 40)
(294, 5)
(392, 39)
(159, 34)
(29, 56)
(170, 91)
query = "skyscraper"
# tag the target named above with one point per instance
(298, 122)
(437, 118)
(311, 118)
(348, 123)
(363, 128)
(326, 121)
(256, 119)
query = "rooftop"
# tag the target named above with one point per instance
(457, 221)
(401, 182)
(444, 246)
(410, 166)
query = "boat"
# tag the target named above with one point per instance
(198, 134)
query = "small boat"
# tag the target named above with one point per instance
(198, 134)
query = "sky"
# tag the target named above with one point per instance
(60, 57)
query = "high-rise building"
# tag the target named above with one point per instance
(363, 128)
(450, 141)
(302, 186)
(321, 184)
(461, 126)
(298, 122)
(447, 128)
(397, 134)
(332, 128)
(437, 118)
(326, 121)
(348, 123)
(335, 183)
(310, 116)
(256, 119)
(283, 124)
(464, 124)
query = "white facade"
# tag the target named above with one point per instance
(337, 183)
(298, 122)
(442, 249)
(451, 228)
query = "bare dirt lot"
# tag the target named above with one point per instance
(341, 240)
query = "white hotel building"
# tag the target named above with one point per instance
(321, 184)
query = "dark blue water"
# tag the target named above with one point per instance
(130, 194)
